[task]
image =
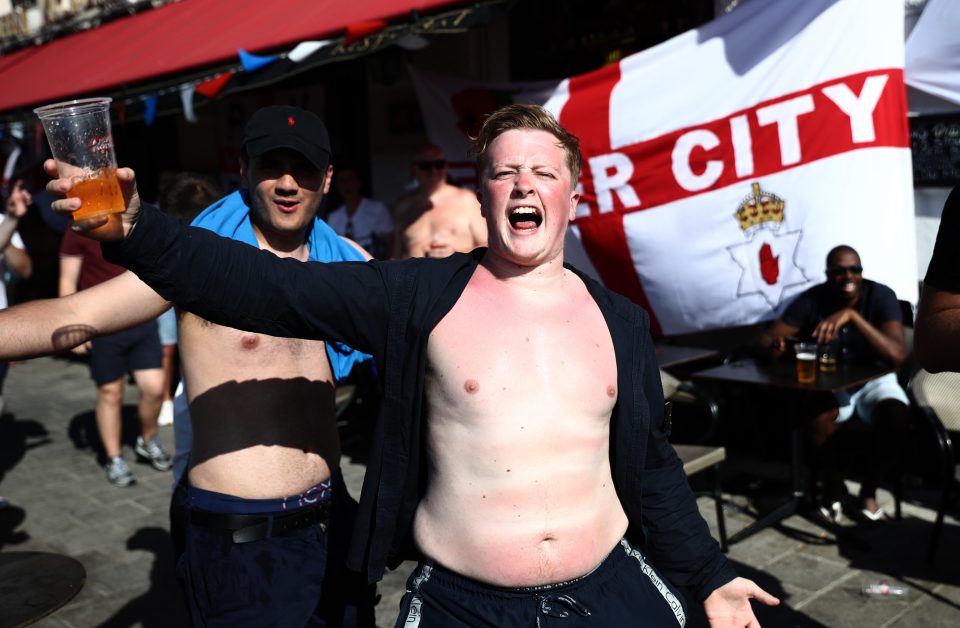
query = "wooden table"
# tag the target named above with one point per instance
(670, 356)
(782, 376)
(34, 584)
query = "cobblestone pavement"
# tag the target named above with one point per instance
(60, 502)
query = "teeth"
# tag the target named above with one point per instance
(524, 210)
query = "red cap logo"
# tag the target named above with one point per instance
(291, 121)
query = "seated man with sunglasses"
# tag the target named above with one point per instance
(862, 319)
(437, 219)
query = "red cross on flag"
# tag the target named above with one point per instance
(721, 166)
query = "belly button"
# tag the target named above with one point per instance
(472, 386)
(249, 341)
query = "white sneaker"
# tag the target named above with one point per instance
(166, 413)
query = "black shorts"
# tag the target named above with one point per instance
(624, 590)
(135, 349)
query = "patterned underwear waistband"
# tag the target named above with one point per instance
(211, 501)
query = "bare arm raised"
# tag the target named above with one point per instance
(16, 258)
(53, 325)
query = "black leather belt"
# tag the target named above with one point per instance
(247, 528)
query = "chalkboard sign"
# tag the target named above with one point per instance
(935, 141)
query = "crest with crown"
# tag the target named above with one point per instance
(760, 210)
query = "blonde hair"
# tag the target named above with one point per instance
(521, 116)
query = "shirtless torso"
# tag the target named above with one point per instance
(518, 436)
(262, 411)
(439, 224)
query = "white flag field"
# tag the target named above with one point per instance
(721, 166)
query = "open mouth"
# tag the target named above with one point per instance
(287, 204)
(524, 218)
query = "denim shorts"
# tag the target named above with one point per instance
(865, 399)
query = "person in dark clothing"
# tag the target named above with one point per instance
(937, 333)
(862, 319)
(521, 452)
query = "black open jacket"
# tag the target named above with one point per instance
(388, 309)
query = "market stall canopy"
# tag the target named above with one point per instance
(182, 37)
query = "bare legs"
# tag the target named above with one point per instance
(110, 402)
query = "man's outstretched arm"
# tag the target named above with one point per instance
(53, 325)
(233, 284)
(937, 337)
(937, 333)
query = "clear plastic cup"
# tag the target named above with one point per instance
(81, 141)
(827, 357)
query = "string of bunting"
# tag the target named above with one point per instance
(212, 86)
(254, 70)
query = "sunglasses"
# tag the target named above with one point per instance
(432, 164)
(856, 269)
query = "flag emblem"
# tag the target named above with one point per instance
(768, 258)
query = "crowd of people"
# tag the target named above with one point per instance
(522, 411)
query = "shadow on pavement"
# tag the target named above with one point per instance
(16, 437)
(10, 519)
(782, 615)
(82, 431)
(898, 549)
(163, 604)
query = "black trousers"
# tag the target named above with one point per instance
(299, 579)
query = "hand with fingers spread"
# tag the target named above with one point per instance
(18, 201)
(104, 228)
(729, 606)
(829, 327)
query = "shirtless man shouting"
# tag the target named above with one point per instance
(437, 218)
(264, 493)
(521, 448)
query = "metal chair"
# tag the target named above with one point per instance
(937, 397)
(698, 458)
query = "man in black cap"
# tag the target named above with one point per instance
(264, 498)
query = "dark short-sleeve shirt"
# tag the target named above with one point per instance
(944, 269)
(878, 304)
(95, 270)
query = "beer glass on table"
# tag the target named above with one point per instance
(806, 353)
(827, 357)
(81, 142)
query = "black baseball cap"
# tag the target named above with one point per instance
(282, 126)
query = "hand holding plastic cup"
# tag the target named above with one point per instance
(80, 139)
(806, 353)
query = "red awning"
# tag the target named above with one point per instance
(183, 36)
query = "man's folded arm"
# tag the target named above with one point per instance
(53, 325)
(233, 284)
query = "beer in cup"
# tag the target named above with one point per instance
(81, 142)
(827, 357)
(806, 353)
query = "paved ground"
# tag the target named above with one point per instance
(60, 502)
